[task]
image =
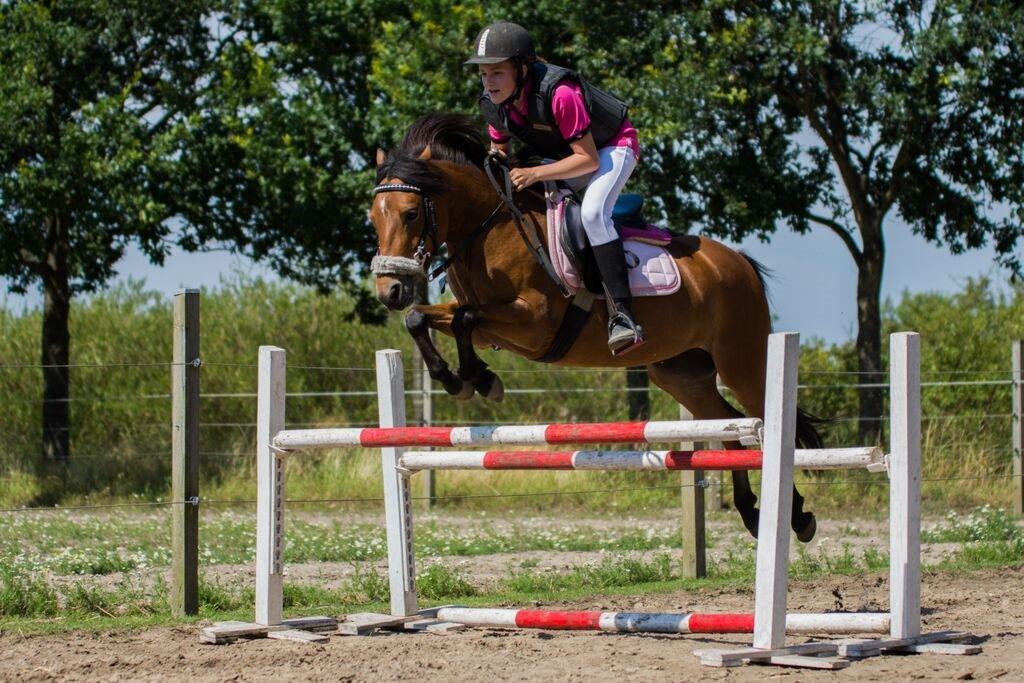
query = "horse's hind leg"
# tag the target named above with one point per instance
(744, 374)
(690, 379)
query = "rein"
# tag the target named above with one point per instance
(531, 238)
(419, 263)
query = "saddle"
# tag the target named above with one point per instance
(652, 270)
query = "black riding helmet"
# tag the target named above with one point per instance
(504, 40)
(500, 41)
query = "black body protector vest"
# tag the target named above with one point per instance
(541, 132)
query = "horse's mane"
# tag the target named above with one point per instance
(452, 137)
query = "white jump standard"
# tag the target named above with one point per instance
(776, 457)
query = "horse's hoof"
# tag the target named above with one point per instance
(806, 532)
(497, 392)
(465, 393)
(489, 386)
(751, 518)
(458, 387)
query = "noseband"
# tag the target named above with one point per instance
(417, 265)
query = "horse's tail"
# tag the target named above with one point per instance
(807, 433)
(762, 272)
(807, 424)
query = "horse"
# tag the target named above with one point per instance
(432, 190)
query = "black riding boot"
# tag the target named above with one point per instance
(623, 333)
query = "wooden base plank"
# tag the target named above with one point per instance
(365, 623)
(432, 626)
(316, 624)
(224, 632)
(860, 648)
(753, 654)
(939, 649)
(806, 662)
(299, 636)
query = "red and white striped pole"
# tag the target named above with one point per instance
(869, 458)
(655, 622)
(522, 435)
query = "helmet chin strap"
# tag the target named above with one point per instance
(520, 82)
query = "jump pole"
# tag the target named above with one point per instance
(519, 435)
(869, 458)
(654, 622)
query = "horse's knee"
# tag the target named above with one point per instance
(464, 320)
(416, 322)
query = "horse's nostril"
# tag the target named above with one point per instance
(395, 293)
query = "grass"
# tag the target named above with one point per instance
(35, 599)
(105, 544)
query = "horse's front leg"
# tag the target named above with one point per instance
(505, 322)
(418, 322)
(471, 367)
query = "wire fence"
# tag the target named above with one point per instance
(944, 379)
(701, 483)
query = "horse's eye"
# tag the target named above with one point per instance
(410, 215)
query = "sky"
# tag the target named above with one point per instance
(813, 281)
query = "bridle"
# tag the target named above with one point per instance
(417, 265)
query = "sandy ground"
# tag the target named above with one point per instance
(986, 603)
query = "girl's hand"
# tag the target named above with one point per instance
(523, 177)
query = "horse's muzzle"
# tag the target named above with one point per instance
(395, 293)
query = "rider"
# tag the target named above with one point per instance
(562, 116)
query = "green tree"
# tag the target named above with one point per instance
(834, 114)
(92, 98)
(280, 158)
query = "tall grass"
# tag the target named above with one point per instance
(120, 415)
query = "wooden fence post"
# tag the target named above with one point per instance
(1018, 427)
(185, 454)
(692, 518)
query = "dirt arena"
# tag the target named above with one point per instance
(985, 603)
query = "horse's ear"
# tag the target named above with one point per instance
(381, 156)
(425, 154)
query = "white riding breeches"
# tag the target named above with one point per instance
(600, 189)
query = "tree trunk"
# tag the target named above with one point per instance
(869, 337)
(56, 346)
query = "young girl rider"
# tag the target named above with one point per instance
(585, 130)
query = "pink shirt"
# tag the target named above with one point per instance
(570, 115)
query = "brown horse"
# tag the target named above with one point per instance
(432, 191)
